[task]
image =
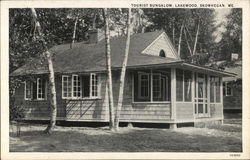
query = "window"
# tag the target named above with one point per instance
(187, 85)
(156, 86)
(94, 82)
(183, 85)
(227, 89)
(77, 92)
(40, 89)
(66, 86)
(35, 90)
(162, 53)
(179, 85)
(215, 90)
(143, 85)
(151, 86)
(28, 90)
(80, 86)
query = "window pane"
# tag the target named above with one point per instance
(187, 85)
(229, 88)
(156, 87)
(67, 85)
(141, 86)
(179, 85)
(144, 86)
(76, 86)
(212, 86)
(217, 90)
(40, 88)
(28, 89)
(200, 108)
(94, 85)
(224, 88)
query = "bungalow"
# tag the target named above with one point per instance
(232, 88)
(159, 86)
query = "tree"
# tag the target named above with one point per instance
(171, 20)
(108, 64)
(231, 41)
(123, 73)
(53, 103)
(57, 25)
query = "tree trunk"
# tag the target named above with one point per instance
(179, 44)
(74, 32)
(196, 38)
(123, 74)
(108, 64)
(173, 32)
(189, 48)
(53, 105)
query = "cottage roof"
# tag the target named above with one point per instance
(85, 57)
(236, 69)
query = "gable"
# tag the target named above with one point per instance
(161, 43)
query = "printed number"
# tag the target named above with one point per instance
(234, 155)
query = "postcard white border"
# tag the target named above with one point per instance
(5, 154)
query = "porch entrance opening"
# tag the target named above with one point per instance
(201, 95)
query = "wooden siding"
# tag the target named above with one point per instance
(216, 110)
(184, 110)
(33, 109)
(97, 109)
(138, 112)
(234, 101)
(158, 45)
(146, 112)
(89, 109)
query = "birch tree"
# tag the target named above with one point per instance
(53, 103)
(180, 38)
(74, 31)
(123, 73)
(108, 64)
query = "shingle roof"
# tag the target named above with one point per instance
(85, 57)
(236, 70)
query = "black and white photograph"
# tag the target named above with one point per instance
(163, 77)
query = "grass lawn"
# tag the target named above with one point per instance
(224, 138)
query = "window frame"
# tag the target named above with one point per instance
(98, 87)
(37, 89)
(225, 87)
(69, 77)
(160, 85)
(91, 86)
(214, 87)
(25, 88)
(183, 87)
(140, 74)
(76, 91)
(150, 98)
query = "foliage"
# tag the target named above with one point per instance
(16, 112)
(170, 20)
(231, 41)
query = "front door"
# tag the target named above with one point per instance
(201, 97)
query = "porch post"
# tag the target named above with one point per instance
(173, 94)
(208, 95)
(221, 98)
(193, 93)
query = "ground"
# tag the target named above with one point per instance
(216, 138)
